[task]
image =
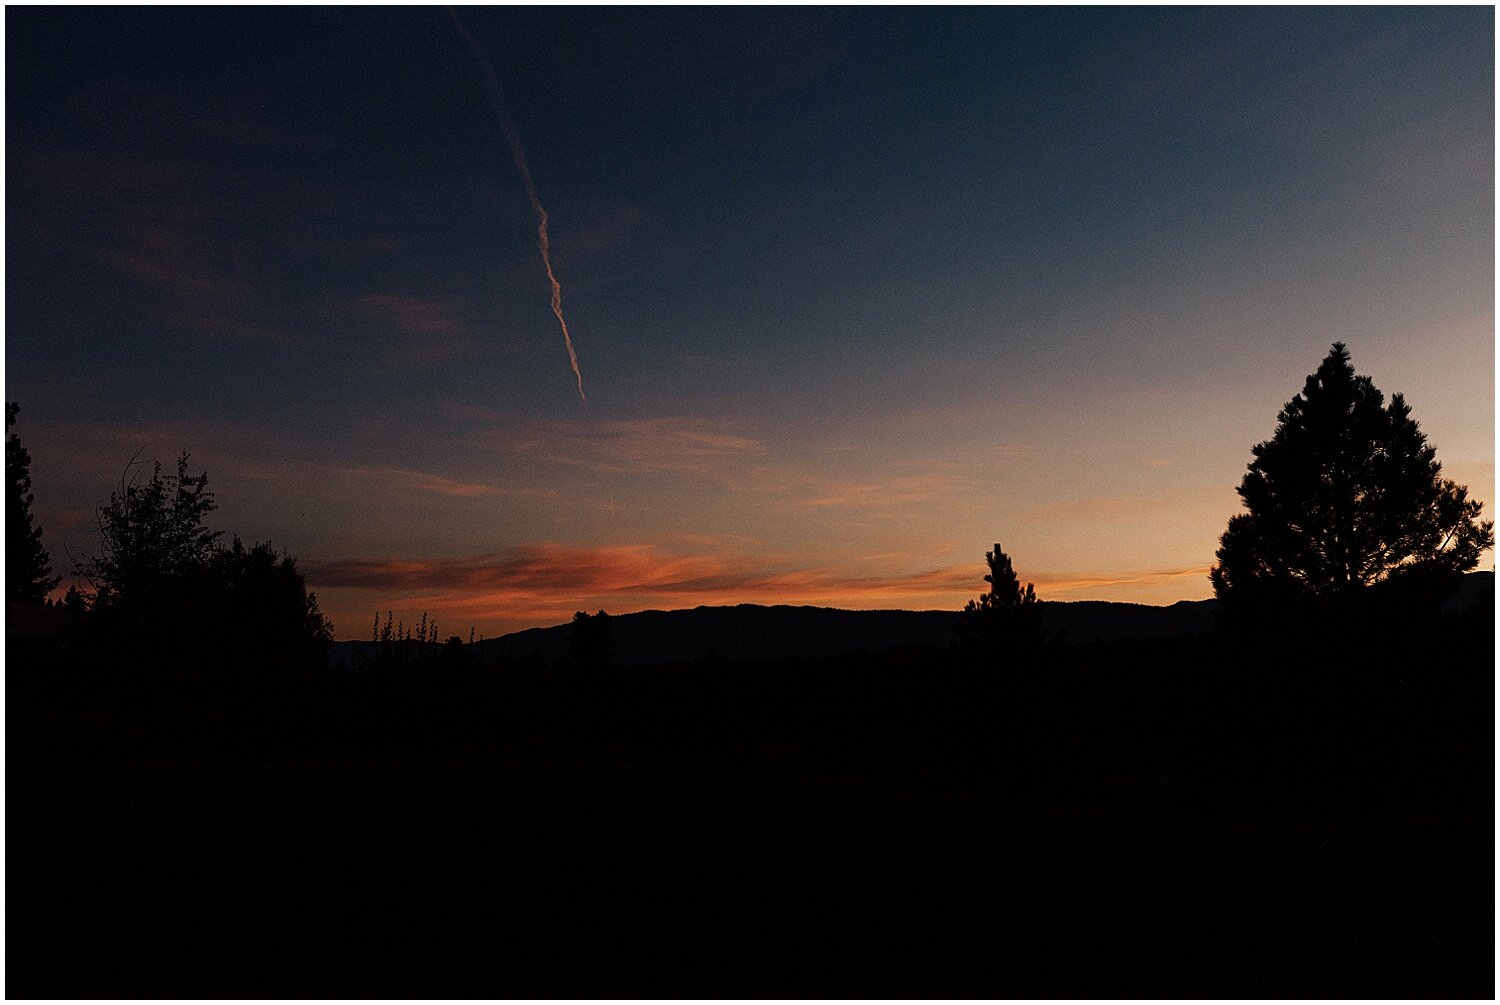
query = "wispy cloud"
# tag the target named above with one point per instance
(1059, 585)
(604, 228)
(544, 568)
(901, 490)
(410, 314)
(546, 583)
(549, 581)
(808, 487)
(717, 361)
(422, 481)
(207, 282)
(1110, 508)
(722, 453)
(148, 219)
(169, 118)
(460, 411)
(661, 444)
(410, 328)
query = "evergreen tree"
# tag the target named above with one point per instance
(74, 602)
(1005, 616)
(28, 567)
(1346, 494)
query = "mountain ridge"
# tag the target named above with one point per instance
(750, 631)
(747, 631)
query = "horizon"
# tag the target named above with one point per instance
(819, 607)
(854, 295)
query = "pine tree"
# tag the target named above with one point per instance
(1346, 494)
(1007, 615)
(28, 567)
(74, 602)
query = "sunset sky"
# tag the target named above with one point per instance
(855, 293)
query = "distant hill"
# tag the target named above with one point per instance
(1476, 588)
(749, 631)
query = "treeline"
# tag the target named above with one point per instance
(166, 595)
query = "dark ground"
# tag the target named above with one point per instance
(1173, 818)
(515, 880)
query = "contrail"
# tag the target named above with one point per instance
(517, 154)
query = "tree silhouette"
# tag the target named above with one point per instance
(455, 655)
(150, 533)
(591, 642)
(1007, 615)
(74, 602)
(168, 594)
(254, 605)
(1346, 494)
(27, 566)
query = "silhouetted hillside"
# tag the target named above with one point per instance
(750, 631)
(1474, 588)
(1104, 621)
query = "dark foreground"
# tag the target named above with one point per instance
(1180, 818)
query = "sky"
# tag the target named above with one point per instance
(856, 294)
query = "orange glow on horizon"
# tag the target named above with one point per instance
(544, 584)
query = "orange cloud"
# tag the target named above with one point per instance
(545, 583)
(1061, 583)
